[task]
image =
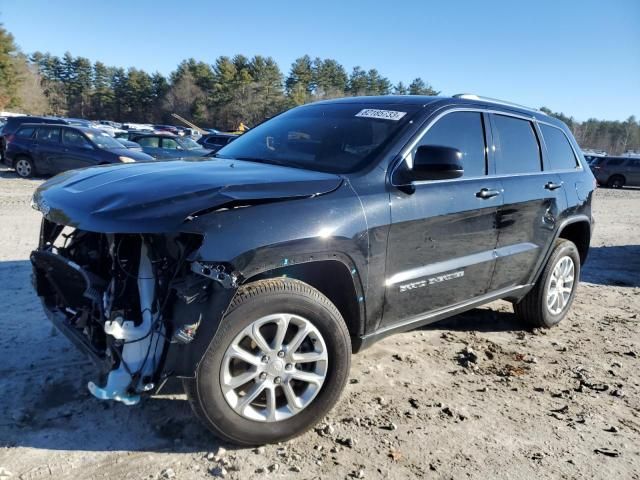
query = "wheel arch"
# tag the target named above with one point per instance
(19, 156)
(578, 231)
(616, 175)
(335, 279)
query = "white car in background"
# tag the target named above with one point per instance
(108, 129)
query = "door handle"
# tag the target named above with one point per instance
(487, 193)
(553, 186)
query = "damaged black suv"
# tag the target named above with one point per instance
(255, 274)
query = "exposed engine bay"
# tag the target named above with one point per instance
(116, 295)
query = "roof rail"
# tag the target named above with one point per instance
(472, 96)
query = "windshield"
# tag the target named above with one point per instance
(103, 140)
(188, 144)
(335, 138)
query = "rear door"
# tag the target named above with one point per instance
(48, 149)
(533, 199)
(78, 151)
(634, 172)
(442, 235)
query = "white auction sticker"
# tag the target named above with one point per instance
(381, 114)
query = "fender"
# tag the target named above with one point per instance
(567, 221)
(268, 238)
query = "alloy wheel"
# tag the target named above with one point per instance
(561, 285)
(23, 168)
(274, 368)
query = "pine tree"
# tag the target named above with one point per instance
(419, 87)
(329, 78)
(358, 82)
(400, 89)
(299, 83)
(9, 81)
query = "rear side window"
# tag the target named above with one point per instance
(151, 142)
(48, 135)
(561, 156)
(169, 143)
(26, 132)
(464, 131)
(516, 146)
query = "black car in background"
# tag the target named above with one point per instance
(13, 123)
(51, 149)
(166, 146)
(131, 134)
(616, 172)
(216, 141)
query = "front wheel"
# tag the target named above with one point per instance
(276, 366)
(551, 297)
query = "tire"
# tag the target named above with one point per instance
(220, 408)
(24, 167)
(616, 181)
(534, 308)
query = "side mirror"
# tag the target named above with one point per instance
(432, 162)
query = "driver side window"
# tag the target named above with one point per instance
(73, 138)
(465, 132)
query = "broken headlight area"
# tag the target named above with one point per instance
(114, 296)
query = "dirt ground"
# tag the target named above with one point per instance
(477, 396)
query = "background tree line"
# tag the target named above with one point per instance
(223, 94)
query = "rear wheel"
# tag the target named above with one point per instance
(551, 297)
(24, 167)
(617, 181)
(277, 364)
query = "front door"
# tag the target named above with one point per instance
(442, 236)
(78, 152)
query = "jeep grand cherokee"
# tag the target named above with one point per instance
(254, 275)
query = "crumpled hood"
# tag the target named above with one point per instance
(158, 197)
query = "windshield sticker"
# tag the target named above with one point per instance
(381, 114)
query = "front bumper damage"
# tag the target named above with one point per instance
(139, 306)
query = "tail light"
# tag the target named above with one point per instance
(9, 138)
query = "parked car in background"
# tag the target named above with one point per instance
(138, 126)
(13, 123)
(166, 146)
(616, 172)
(110, 123)
(130, 134)
(128, 144)
(50, 149)
(216, 141)
(166, 128)
(108, 129)
(79, 122)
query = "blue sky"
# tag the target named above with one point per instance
(579, 57)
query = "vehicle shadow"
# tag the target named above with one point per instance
(45, 400)
(481, 320)
(617, 266)
(6, 172)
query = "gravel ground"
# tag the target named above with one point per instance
(478, 396)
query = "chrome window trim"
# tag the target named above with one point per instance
(406, 155)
